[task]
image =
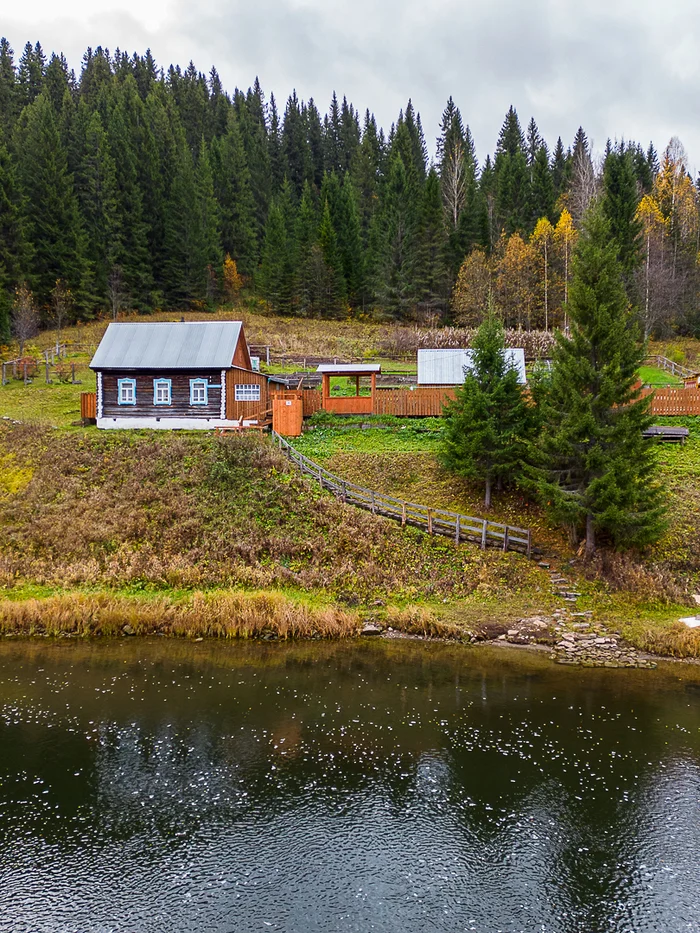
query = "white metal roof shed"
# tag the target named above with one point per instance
(447, 367)
(168, 345)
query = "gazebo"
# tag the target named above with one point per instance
(349, 404)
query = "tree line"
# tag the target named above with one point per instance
(134, 186)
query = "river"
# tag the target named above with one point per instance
(162, 785)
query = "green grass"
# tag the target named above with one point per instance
(653, 376)
(57, 404)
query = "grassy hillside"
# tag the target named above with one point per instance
(173, 512)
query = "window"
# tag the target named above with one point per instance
(126, 391)
(247, 393)
(162, 392)
(198, 392)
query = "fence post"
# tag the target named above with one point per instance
(320, 477)
(374, 507)
(529, 543)
(47, 364)
(505, 539)
(4, 380)
(457, 530)
(72, 373)
(403, 514)
(345, 491)
(483, 535)
(430, 522)
(25, 373)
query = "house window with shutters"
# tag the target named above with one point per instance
(126, 391)
(199, 394)
(162, 391)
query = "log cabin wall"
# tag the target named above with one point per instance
(180, 395)
(253, 410)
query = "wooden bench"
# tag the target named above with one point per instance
(667, 434)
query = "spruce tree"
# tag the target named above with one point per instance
(512, 177)
(9, 89)
(14, 259)
(54, 226)
(335, 290)
(96, 186)
(431, 272)
(208, 255)
(598, 474)
(232, 185)
(276, 269)
(619, 204)
(488, 424)
(306, 238)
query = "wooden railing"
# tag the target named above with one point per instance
(434, 521)
(662, 362)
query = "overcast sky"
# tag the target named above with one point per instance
(620, 68)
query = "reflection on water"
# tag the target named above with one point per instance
(170, 786)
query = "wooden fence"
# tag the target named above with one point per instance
(420, 402)
(434, 521)
(668, 401)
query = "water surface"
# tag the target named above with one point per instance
(401, 787)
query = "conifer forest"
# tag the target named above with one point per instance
(132, 187)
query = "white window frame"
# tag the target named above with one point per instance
(246, 392)
(158, 386)
(195, 386)
(127, 384)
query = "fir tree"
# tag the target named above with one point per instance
(96, 186)
(237, 208)
(295, 147)
(14, 259)
(619, 204)
(511, 175)
(54, 226)
(207, 248)
(125, 129)
(276, 270)
(9, 90)
(599, 474)
(541, 196)
(335, 289)
(561, 170)
(306, 238)
(488, 424)
(431, 272)
(350, 242)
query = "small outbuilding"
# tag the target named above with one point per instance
(448, 367)
(356, 404)
(177, 375)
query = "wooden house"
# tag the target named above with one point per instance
(692, 381)
(177, 375)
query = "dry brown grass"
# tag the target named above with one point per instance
(174, 511)
(418, 620)
(675, 640)
(208, 615)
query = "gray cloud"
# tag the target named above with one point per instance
(620, 69)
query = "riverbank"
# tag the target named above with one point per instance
(201, 537)
(574, 638)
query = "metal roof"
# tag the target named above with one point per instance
(344, 369)
(447, 367)
(172, 345)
